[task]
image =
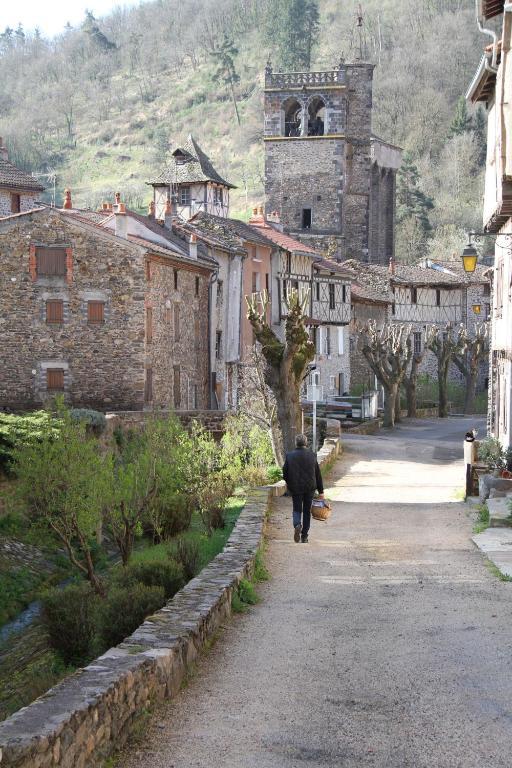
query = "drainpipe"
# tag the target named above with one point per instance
(492, 67)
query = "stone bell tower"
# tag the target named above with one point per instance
(318, 159)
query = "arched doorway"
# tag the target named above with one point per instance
(292, 110)
(316, 117)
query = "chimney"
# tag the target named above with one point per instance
(192, 247)
(121, 220)
(68, 205)
(257, 219)
(169, 213)
(3, 150)
(392, 266)
(275, 220)
(117, 197)
(151, 210)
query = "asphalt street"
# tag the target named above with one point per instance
(383, 642)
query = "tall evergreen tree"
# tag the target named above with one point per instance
(412, 202)
(291, 28)
(462, 122)
(480, 133)
(225, 71)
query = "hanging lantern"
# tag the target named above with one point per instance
(469, 257)
(477, 308)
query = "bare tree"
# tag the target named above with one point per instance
(287, 360)
(445, 344)
(257, 400)
(468, 360)
(410, 380)
(388, 353)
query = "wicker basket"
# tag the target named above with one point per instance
(321, 510)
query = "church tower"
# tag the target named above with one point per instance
(319, 153)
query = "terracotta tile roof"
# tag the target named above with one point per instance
(14, 178)
(190, 164)
(281, 239)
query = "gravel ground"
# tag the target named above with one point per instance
(384, 642)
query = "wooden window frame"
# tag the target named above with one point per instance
(185, 196)
(15, 202)
(55, 381)
(54, 316)
(95, 312)
(332, 296)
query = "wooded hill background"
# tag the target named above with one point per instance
(103, 104)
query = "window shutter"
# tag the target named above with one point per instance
(176, 322)
(54, 311)
(55, 379)
(341, 346)
(15, 203)
(51, 262)
(95, 311)
(149, 324)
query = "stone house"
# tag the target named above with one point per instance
(296, 266)
(107, 318)
(331, 181)
(190, 184)
(491, 86)
(18, 190)
(430, 293)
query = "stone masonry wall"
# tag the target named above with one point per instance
(27, 201)
(103, 363)
(84, 719)
(177, 297)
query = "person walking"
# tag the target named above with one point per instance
(302, 475)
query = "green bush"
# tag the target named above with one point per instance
(20, 430)
(153, 573)
(274, 473)
(125, 609)
(94, 420)
(71, 616)
(188, 555)
(12, 524)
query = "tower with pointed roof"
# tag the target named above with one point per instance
(190, 184)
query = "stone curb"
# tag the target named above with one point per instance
(88, 716)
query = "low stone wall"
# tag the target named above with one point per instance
(85, 718)
(365, 428)
(211, 420)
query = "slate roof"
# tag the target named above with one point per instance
(195, 166)
(14, 178)
(326, 265)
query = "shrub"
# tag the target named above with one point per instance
(274, 474)
(213, 494)
(188, 555)
(124, 609)
(255, 476)
(94, 420)
(157, 573)
(70, 616)
(17, 431)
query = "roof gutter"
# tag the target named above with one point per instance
(492, 67)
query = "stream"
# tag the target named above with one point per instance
(22, 621)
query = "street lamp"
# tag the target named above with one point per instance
(470, 254)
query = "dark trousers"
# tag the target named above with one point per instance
(302, 510)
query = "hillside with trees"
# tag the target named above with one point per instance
(103, 104)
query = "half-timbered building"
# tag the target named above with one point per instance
(190, 184)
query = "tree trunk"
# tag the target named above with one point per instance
(398, 399)
(469, 399)
(277, 448)
(288, 412)
(390, 404)
(412, 398)
(234, 100)
(443, 390)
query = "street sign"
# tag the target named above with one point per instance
(315, 393)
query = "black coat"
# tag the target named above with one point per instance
(301, 472)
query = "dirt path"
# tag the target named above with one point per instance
(384, 642)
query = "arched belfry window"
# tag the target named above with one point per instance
(292, 110)
(316, 117)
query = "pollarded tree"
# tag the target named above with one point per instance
(410, 381)
(445, 343)
(468, 361)
(287, 359)
(388, 352)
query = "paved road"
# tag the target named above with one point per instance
(384, 642)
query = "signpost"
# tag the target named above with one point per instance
(315, 393)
